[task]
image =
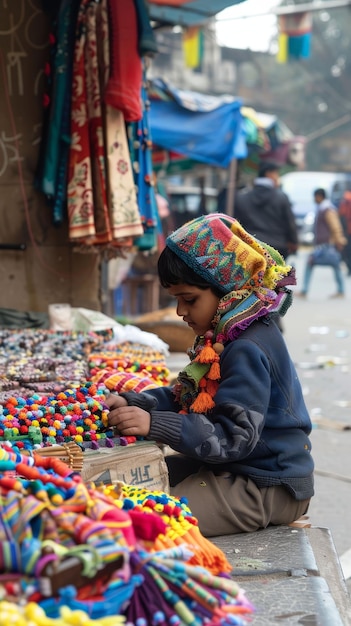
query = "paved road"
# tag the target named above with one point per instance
(318, 333)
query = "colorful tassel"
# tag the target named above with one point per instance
(212, 387)
(207, 353)
(204, 401)
(214, 372)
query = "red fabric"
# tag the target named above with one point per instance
(80, 193)
(122, 521)
(345, 210)
(147, 526)
(97, 155)
(123, 90)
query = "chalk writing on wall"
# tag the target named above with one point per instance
(8, 151)
(37, 130)
(22, 32)
(24, 37)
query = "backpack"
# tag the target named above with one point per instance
(345, 212)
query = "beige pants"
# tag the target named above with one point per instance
(227, 504)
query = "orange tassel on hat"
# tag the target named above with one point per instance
(204, 401)
(214, 372)
(207, 354)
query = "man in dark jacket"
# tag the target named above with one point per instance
(265, 211)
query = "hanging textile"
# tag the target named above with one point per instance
(141, 150)
(102, 208)
(124, 84)
(94, 92)
(95, 121)
(193, 47)
(121, 189)
(125, 212)
(51, 169)
(80, 184)
(295, 33)
(147, 44)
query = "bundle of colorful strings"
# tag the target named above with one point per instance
(67, 544)
(181, 527)
(175, 593)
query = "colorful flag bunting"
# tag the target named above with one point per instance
(193, 46)
(295, 33)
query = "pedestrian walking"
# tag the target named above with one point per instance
(329, 241)
(265, 211)
(236, 415)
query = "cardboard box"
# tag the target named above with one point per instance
(142, 464)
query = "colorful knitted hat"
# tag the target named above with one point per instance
(218, 248)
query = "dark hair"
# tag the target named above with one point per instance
(266, 168)
(173, 271)
(320, 192)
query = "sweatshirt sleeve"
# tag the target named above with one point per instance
(160, 397)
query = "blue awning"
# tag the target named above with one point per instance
(189, 14)
(208, 129)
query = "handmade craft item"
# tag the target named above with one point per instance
(71, 551)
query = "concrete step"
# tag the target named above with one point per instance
(291, 575)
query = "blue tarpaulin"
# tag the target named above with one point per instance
(207, 129)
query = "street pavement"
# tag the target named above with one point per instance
(318, 334)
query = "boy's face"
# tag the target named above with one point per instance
(196, 306)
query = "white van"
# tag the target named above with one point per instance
(300, 186)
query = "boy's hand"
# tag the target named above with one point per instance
(130, 421)
(113, 401)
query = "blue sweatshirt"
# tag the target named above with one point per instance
(260, 424)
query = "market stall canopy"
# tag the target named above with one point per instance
(187, 12)
(269, 138)
(264, 130)
(194, 127)
(207, 129)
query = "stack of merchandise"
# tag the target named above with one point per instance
(128, 366)
(52, 385)
(73, 553)
(80, 553)
(44, 361)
